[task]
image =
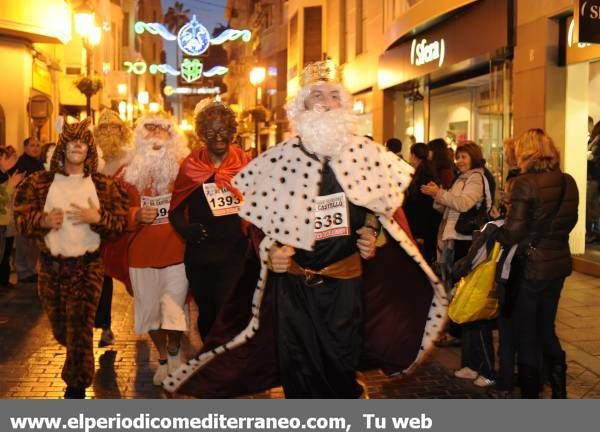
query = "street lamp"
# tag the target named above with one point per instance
(90, 36)
(257, 76)
(84, 19)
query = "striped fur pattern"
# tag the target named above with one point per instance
(70, 296)
(70, 288)
(75, 132)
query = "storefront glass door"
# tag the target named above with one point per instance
(477, 109)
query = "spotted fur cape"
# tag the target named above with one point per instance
(405, 302)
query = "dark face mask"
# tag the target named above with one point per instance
(217, 137)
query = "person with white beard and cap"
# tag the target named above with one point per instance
(319, 201)
(155, 251)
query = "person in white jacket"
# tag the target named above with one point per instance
(470, 189)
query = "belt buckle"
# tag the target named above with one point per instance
(312, 279)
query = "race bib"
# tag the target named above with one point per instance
(331, 216)
(221, 201)
(162, 203)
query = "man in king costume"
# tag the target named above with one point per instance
(204, 211)
(155, 250)
(112, 136)
(69, 210)
(319, 200)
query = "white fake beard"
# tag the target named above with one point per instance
(153, 168)
(325, 133)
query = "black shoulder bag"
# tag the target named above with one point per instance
(474, 218)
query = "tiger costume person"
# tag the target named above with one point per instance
(69, 210)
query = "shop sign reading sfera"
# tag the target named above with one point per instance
(424, 52)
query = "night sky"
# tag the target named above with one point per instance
(208, 12)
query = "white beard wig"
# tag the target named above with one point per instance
(322, 132)
(155, 169)
(325, 133)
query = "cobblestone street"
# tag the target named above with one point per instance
(31, 360)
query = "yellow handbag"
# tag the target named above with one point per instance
(475, 297)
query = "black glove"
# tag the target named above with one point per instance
(195, 233)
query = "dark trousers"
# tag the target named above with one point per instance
(506, 352)
(104, 312)
(210, 283)
(478, 348)
(70, 294)
(507, 346)
(5, 262)
(319, 335)
(535, 314)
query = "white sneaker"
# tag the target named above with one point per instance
(466, 373)
(161, 374)
(174, 361)
(482, 381)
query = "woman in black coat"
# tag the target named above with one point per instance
(418, 207)
(542, 213)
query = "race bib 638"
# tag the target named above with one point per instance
(331, 216)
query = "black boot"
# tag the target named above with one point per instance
(529, 380)
(558, 381)
(75, 392)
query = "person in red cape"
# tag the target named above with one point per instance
(204, 211)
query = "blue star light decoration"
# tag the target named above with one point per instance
(193, 39)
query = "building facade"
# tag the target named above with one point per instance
(29, 46)
(267, 19)
(480, 70)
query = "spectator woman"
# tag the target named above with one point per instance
(467, 191)
(441, 161)
(418, 207)
(542, 213)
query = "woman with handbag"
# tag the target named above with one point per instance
(542, 213)
(464, 207)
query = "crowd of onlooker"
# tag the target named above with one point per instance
(13, 169)
(535, 212)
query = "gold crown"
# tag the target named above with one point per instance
(324, 70)
(109, 116)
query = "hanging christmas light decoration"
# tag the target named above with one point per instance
(154, 28)
(191, 69)
(193, 39)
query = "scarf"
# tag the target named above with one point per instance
(197, 168)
